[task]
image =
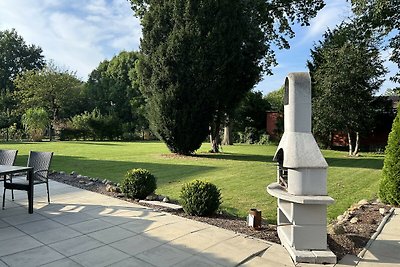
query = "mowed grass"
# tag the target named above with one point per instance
(242, 172)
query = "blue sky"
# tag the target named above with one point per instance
(78, 35)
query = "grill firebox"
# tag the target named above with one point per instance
(301, 179)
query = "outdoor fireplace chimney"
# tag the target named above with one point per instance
(301, 183)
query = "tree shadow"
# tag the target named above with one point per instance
(356, 162)
(235, 156)
(166, 173)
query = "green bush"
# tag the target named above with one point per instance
(389, 188)
(138, 183)
(200, 198)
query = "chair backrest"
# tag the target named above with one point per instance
(40, 161)
(7, 157)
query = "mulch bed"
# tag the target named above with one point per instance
(352, 241)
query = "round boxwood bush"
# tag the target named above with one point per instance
(389, 188)
(138, 183)
(200, 198)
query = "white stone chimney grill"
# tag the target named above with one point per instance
(301, 179)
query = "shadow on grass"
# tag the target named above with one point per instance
(236, 156)
(359, 162)
(115, 170)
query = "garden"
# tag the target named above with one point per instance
(241, 171)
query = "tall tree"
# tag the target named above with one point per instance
(384, 16)
(201, 57)
(50, 88)
(16, 57)
(112, 88)
(346, 71)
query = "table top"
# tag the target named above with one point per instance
(7, 169)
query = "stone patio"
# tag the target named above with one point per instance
(83, 228)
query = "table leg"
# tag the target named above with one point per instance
(30, 191)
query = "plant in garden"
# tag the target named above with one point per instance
(200, 198)
(35, 121)
(389, 188)
(138, 183)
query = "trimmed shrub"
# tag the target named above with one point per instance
(389, 188)
(138, 183)
(200, 198)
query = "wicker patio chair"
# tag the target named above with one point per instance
(40, 161)
(7, 157)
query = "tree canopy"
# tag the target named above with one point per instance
(16, 57)
(112, 88)
(346, 71)
(51, 88)
(200, 58)
(382, 16)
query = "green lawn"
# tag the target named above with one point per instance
(241, 171)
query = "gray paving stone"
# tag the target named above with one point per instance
(72, 218)
(111, 234)
(172, 231)
(18, 210)
(348, 260)
(198, 261)
(163, 256)
(3, 224)
(32, 257)
(38, 226)
(10, 232)
(101, 256)
(14, 245)
(234, 250)
(65, 262)
(23, 218)
(56, 235)
(132, 262)
(258, 261)
(76, 245)
(140, 225)
(135, 245)
(90, 226)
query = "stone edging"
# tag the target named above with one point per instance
(375, 235)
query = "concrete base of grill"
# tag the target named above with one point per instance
(308, 256)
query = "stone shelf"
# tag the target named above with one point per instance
(280, 192)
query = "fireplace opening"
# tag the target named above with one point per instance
(282, 171)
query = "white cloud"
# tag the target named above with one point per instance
(75, 34)
(331, 15)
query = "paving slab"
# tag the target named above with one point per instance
(348, 260)
(112, 234)
(132, 262)
(33, 257)
(101, 256)
(135, 245)
(56, 235)
(65, 262)
(76, 245)
(235, 250)
(18, 244)
(164, 256)
(278, 254)
(258, 262)
(10, 232)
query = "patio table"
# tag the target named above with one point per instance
(6, 169)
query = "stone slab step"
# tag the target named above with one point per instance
(161, 204)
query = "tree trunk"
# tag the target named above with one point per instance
(214, 135)
(350, 144)
(228, 140)
(355, 152)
